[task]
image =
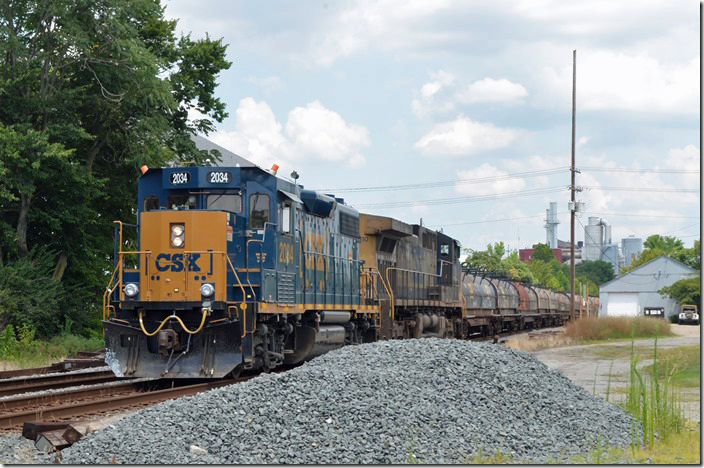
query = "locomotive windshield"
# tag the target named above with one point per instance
(186, 200)
(225, 202)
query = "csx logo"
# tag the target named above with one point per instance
(174, 262)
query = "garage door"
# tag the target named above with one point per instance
(621, 304)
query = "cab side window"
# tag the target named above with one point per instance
(151, 203)
(285, 218)
(258, 210)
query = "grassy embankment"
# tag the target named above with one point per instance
(597, 330)
(20, 349)
(655, 398)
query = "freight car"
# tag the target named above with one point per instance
(237, 269)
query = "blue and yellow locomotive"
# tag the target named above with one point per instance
(235, 269)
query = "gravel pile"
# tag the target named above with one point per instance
(439, 400)
(15, 450)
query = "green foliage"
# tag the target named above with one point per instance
(543, 252)
(489, 259)
(654, 403)
(684, 291)
(28, 294)
(667, 244)
(681, 366)
(91, 90)
(657, 245)
(597, 271)
(21, 349)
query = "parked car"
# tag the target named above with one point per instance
(689, 314)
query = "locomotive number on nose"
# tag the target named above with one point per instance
(180, 177)
(219, 177)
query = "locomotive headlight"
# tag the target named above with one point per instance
(207, 290)
(131, 290)
(177, 235)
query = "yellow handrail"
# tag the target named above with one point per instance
(407, 271)
(374, 270)
(173, 316)
(108, 291)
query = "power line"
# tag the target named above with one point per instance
(444, 183)
(457, 200)
(640, 189)
(492, 220)
(641, 215)
(628, 169)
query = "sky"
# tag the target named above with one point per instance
(459, 112)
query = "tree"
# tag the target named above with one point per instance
(597, 271)
(668, 244)
(489, 259)
(543, 252)
(684, 291)
(92, 90)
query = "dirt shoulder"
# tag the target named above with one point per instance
(590, 365)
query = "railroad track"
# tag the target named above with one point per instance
(80, 403)
(81, 360)
(53, 381)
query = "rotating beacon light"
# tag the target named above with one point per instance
(178, 235)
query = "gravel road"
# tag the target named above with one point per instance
(581, 363)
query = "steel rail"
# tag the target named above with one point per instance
(13, 387)
(106, 404)
(50, 398)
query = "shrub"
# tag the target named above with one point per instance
(606, 328)
(28, 294)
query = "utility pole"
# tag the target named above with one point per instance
(573, 205)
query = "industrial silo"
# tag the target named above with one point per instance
(610, 255)
(593, 239)
(631, 247)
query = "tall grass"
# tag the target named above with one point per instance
(613, 328)
(653, 402)
(20, 349)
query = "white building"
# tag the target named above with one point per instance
(636, 292)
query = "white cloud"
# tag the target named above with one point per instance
(311, 132)
(686, 159)
(428, 92)
(492, 90)
(445, 92)
(609, 80)
(464, 136)
(385, 24)
(490, 187)
(323, 134)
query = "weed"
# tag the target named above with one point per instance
(609, 328)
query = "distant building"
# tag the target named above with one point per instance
(631, 247)
(636, 292)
